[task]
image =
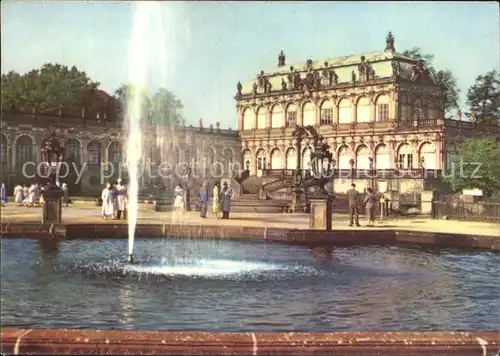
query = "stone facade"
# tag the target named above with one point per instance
(380, 110)
(96, 148)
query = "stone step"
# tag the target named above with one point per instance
(273, 209)
(247, 197)
(258, 203)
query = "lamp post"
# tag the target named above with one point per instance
(52, 154)
(299, 134)
(372, 172)
(351, 163)
(321, 201)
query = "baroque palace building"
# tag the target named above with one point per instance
(379, 111)
(95, 147)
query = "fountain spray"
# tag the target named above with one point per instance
(134, 111)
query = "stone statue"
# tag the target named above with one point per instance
(255, 87)
(52, 151)
(239, 87)
(297, 81)
(261, 79)
(283, 84)
(217, 125)
(269, 86)
(281, 59)
(396, 68)
(201, 123)
(389, 43)
(418, 71)
(334, 78)
(353, 77)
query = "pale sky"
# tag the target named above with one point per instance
(200, 50)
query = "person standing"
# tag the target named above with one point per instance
(18, 194)
(3, 194)
(370, 201)
(121, 197)
(353, 197)
(215, 200)
(178, 202)
(107, 202)
(203, 200)
(64, 188)
(225, 200)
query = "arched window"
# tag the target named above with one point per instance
(382, 157)
(291, 159)
(405, 156)
(3, 150)
(261, 118)
(327, 112)
(404, 108)
(345, 156)
(417, 109)
(248, 119)
(276, 117)
(72, 151)
(276, 159)
(345, 111)
(306, 159)
(25, 151)
(309, 114)
(382, 108)
(291, 115)
(363, 157)
(115, 153)
(428, 155)
(94, 152)
(261, 161)
(247, 160)
(363, 110)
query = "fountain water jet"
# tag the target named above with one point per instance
(134, 111)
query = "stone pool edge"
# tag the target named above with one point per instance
(75, 342)
(335, 238)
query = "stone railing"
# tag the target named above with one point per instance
(85, 342)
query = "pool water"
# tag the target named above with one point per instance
(219, 285)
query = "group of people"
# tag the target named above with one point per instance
(114, 201)
(370, 202)
(221, 200)
(30, 196)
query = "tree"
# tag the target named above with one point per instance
(129, 95)
(476, 164)
(483, 96)
(48, 89)
(165, 107)
(162, 108)
(444, 77)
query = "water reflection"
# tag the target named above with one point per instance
(228, 285)
(49, 248)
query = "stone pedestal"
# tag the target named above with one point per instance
(321, 213)
(52, 206)
(427, 199)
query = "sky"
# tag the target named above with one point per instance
(200, 50)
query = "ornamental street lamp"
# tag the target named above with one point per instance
(321, 201)
(351, 163)
(53, 155)
(372, 173)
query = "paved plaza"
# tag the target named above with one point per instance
(85, 213)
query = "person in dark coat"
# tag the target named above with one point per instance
(203, 200)
(353, 196)
(226, 196)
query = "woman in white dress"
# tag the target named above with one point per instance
(215, 200)
(107, 202)
(18, 194)
(178, 201)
